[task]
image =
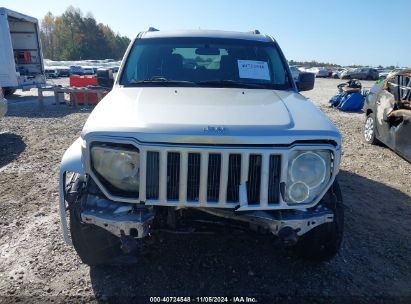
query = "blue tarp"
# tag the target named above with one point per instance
(350, 102)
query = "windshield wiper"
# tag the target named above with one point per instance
(232, 84)
(160, 81)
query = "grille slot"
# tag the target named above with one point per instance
(234, 175)
(152, 176)
(213, 177)
(173, 175)
(254, 179)
(274, 179)
(193, 176)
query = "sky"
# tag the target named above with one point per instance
(366, 32)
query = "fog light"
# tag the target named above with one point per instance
(298, 192)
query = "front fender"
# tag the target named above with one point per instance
(71, 162)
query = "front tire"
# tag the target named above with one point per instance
(323, 242)
(93, 244)
(7, 92)
(369, 130)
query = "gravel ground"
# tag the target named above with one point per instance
(374, 262)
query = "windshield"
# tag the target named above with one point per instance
(205, 62)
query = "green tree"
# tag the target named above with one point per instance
(47, 35)
(72, 36)
(313, 63)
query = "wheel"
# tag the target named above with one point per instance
(369, 129)
(93, 244)
(323, 242)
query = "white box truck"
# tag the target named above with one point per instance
(21, 58)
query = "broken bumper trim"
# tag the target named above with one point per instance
(299, 221)
(119, 219)
(123, 219)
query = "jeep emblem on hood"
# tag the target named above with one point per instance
(218, 130)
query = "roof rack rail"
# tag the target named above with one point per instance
(152, 29)
(255, 32)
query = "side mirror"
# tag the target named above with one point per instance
(105, 78)
(305, 81)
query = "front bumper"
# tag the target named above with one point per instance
(130, 220)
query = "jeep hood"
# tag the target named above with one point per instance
(209, 116)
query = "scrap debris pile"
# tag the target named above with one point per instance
(350, 97)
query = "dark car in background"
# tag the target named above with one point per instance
(63, 71)
(361, 73)
(51, 72)
(388, 114)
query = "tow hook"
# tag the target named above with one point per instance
(288, 236)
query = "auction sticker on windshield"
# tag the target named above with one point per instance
(253, 69)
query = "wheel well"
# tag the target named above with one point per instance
(369, 111)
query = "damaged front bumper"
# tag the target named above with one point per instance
(126, 220)
(119, 219)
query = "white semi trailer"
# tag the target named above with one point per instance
(21, 58)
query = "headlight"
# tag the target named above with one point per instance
(118, 166)
(308, 173)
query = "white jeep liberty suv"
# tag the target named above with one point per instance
(203, 123)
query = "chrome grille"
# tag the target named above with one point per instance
(210, 178)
